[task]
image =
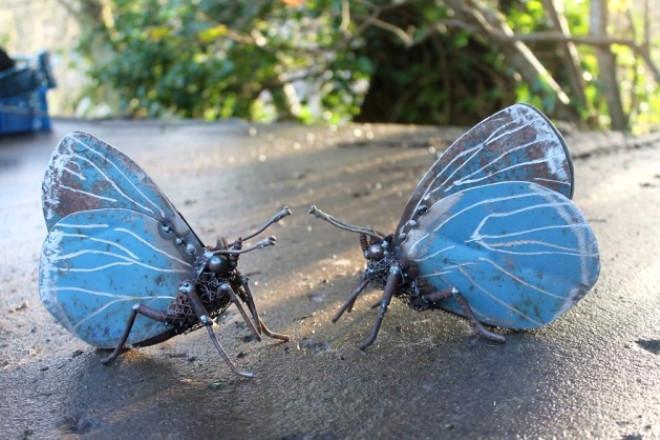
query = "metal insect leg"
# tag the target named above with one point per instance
(348, 305)
(253, 308)
(138, 309)
(391, 287)
(225, 287)
(203, 316)
(441, 294)
(477, 327)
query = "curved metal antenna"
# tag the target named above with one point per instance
(343, 225)
(270, 241)
(279, 215)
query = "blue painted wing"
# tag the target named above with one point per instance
(520, 253)
(86, 173)
(518, 143)
(95, 265)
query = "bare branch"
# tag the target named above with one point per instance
(590, 40)
(646, 56)
(635, 80)
(345, 16)
(400, 33)
(537, 37)
(647, 26)
(598, 20)
(493, 27)
(555, 10)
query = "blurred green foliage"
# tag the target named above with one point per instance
(329, 60)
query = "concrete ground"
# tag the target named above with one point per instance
(595, 373)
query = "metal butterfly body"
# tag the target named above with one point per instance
(120, 265)
(489, 233)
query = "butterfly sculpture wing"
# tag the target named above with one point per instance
(97, 264)
(86, 173)
(520, 253)
(517, 143)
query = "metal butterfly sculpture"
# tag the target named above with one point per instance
(489, 233)
(121, 265)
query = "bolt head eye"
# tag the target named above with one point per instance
(217, 264)
(375, 252)
(190, 249)
(166, 230)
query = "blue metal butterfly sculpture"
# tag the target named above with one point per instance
(120, 264)
(489, 233)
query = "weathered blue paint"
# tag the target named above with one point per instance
(516, 143)
(121, 266)
(489, 232)
(89, 183)
(86, 173)
(97, 264)
(520, 253)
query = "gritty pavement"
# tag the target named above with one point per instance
(595, 373)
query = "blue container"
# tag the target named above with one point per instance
(23, 103)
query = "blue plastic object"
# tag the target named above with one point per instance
(23, 101)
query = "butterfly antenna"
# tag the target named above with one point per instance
(270, 241)
(279, 215)
(343, 225)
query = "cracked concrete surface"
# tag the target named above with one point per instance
(593, 373)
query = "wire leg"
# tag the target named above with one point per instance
(224, 355)
(271, 334)
(348, 305)
(440, 294)
(255, 314)
(391, 287)
(203, 316)
(137, 309)
(227, 288)
(478, 329)
(249, 300)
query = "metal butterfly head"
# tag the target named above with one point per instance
(489, 233)
(121, 266)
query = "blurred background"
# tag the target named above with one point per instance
(445, 62)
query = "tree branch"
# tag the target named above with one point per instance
(492, 26)
(555, 10)
(400, 33)
(607, 66)
(537, 37)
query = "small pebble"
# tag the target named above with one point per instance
(215, 385)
